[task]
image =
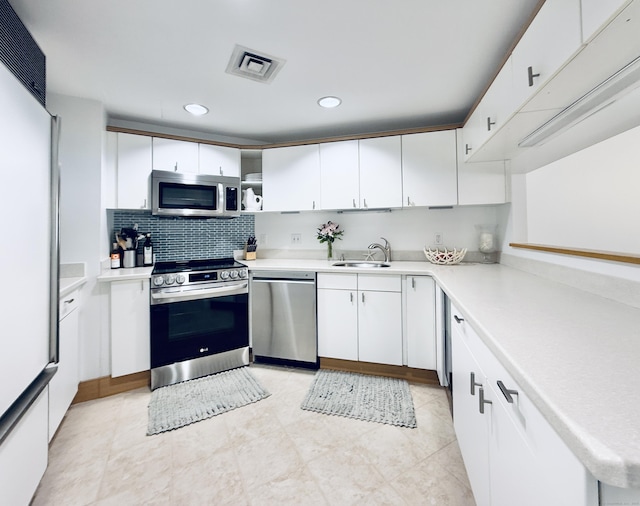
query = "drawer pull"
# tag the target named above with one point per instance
(508, 394)
(482, 401)
(474, 384)
(457, 318)
(69, 301)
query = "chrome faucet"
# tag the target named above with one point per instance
(386, 249)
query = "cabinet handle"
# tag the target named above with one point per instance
(467, 149)
(472, 377)
(221, 172)
(351, 297)
(175, 168)
(457, 318)
(482, 401)
(363, 297)
(69, 301)
(354, 203)
(408, 201)
(490, 123)
(313, 205)
(531, 75)
(413, 283)
(144, 204)
(365, 202)
(508, 394)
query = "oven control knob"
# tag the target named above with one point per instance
(242, 274)
(233, 274)
(170, 279)
(224, 275)
(158, 280)
(180, 279)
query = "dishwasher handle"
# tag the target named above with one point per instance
(285, 281)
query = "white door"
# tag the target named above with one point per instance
(429, 175)
(339, 175)
(219, 160)
(380, 327)
(338, 324)
(291, 178)
(175, 156)
(420, 309)
(380, 172)
(134, 171)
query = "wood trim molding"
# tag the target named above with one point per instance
(391, 371)
(390, 133)
(599, 255)
(107, 385)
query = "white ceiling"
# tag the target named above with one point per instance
(395, 64)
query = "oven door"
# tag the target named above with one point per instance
(198, 324)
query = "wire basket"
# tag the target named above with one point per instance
(445, 256)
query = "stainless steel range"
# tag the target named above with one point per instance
(199, 319)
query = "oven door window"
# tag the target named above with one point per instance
(186, 196)
(191, 329)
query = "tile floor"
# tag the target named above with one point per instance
(268, 453)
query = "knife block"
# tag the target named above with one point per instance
(249, 255)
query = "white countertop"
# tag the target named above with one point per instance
(575, 354)
(68, 285)
(122, 274)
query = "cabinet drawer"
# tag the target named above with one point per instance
(68, 303)
(374, 282)
(337, 281)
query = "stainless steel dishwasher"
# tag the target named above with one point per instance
(283, 317)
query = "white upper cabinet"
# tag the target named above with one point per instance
(552, 38)
(380, 172)
(492, 113)
(596, 13)
(480, 182)
(429, 176)
(339, 175)
(176, 156)
(219, 160)
(291, 178)
(133, 171)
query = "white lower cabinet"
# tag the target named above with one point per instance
(64, 384)
(360, 318)
(419, 321)
(130, 352)
(511, 453)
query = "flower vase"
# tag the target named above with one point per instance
(329, 250)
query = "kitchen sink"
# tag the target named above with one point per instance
(361, 265)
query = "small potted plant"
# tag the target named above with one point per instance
(328, 233)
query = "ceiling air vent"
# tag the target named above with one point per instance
(248, 63)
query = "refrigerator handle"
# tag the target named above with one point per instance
(54, 308)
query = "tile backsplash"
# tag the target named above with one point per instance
(185, 238)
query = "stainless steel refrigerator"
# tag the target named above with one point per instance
(29, 274)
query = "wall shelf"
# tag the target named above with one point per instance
(599, 255)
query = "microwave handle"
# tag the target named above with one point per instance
(221, 198)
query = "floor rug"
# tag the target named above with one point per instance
(369, 398)
(175, 406)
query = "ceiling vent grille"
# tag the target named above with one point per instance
(248, 63)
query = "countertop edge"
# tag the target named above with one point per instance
(68, 285)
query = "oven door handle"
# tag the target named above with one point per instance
(207, 293)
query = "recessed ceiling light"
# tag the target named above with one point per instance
(329, 102)
(196, 109)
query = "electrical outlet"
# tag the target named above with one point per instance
(296, 239)
(437, 239)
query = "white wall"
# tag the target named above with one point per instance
(408, 230)
(81, 216)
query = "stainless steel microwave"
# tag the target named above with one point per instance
(194, 195)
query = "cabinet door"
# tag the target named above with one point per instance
(178, 156)
(380, 172)
(219, 160)
(553, 36)
(480, 182)
(64, 385)
(130, 351)
(420, 322)
(472, 427)
(380, 327)
(595, 13)
(429, 176)
(134, 171)
(337, 324)
(291, 178)
(339, 175)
